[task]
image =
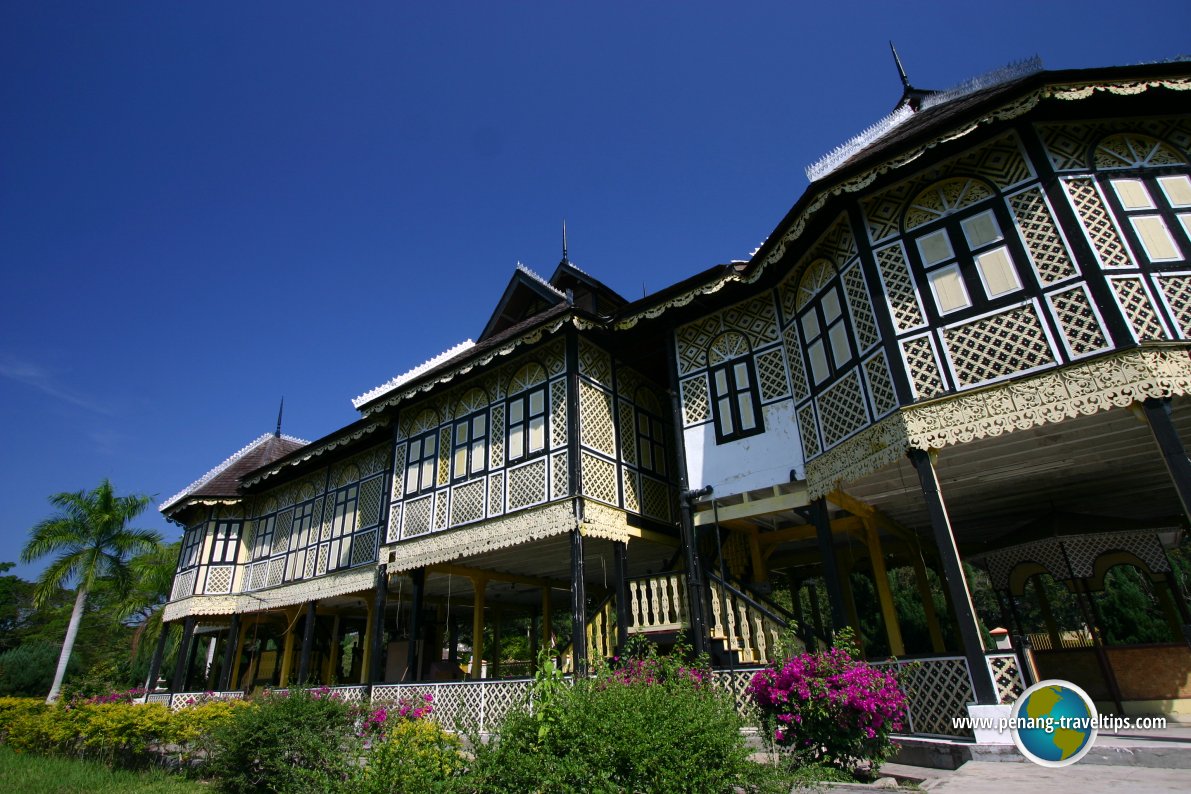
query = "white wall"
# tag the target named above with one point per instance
(750, 463)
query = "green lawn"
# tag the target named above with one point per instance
(36, 774)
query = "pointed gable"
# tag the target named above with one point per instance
(526, 295)
(588, 292)
(223, 481)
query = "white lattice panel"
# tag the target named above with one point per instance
(798, 384)
(595, 411)
(364, 548)
(281, 531)
(696, 408)
(444, 456)
(324, 554)
(1082, 332)
(496, 441)
(257, 575)
(397, 489)
(594, 363)
(632, 489)
(599, 478)
(368, 510)
(842, 410)
(560, 475)
(809, 430)
(655, 498)
(558, 413)
(467, 502)
(219, 579)
(1176, 288)
(1097, 223)
(276, 571)
(625, 416)
(1135, 303)
(996, 346)
(419, 514)
(880, 386)
(899, 287)
(527, 484)
(1049, 255)
(496, 494)
(756, 319)
(771, 372)
(692, 341)
(937, 690)
(394, 529)
(183, 585)
(863, 322)
(923, 366)
(440, 509)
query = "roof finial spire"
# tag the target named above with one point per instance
(564, 241)
(901, 72)
(280, 411)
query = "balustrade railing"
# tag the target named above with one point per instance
(743, 628)
(657, 603)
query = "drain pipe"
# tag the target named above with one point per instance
(696, 585)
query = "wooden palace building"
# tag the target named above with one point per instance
(965, 353)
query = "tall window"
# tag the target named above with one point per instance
(822, 319)
(226, 542)
(421, 463)
(735, 402)
(343, 523)
(262, 542)
(527, 424)
(300, 537)
(947, 252)
(651, 443)
(470, 447)
(1156, 211)
(192, 541)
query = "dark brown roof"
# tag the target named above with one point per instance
(223, 481)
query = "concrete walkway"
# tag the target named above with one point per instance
(983, 777)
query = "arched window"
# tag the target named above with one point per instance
(965, 244)
(469, 452)
(822, 320)
(736, 402)
(1152, 203)
(526, 413)
(651, 437)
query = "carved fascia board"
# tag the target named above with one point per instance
(602, 521)
(1083, 389)
(1009, 111)
(354, 581)
(475, 539)
(315, 450)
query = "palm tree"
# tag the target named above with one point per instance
(91, 536)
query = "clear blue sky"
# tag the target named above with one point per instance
(206, 206)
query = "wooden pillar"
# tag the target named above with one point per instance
(413, 660)
(578, 604)
(479, 584)
(331, 665)
(1157, 414)
(237, 681)
(876, 556)
(372, 670)
(155, 662)
(620, 581)
(230, 653)
(831, 573)
(181, 665)
(928, 603)
(307, 643)
(287, 650)
(812, 594)
(760, 574)
(1048, 616)
(497, 652)
(953, 576)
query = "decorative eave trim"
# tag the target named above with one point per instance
(474, 539)
(409, 375)
(346, 582)
(504, 350)
(1083, 389)
(1006, 112)
(315, 451)
(222, 467)
(602, 521)
(543, 281)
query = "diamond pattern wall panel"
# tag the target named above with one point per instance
(364, 548)
(1068, 145)
(496, 443)
(1006, 675)
(939, 690)
(369, 505)
(696, 407)
(842, 409)
(527, 484)
(899, 287)
(1177, 290)
(394, 530)
(996, 346)
(924, 370)
(809, 429)
(595, 411)
(756, 319)
(599, 478)
(692, 340)
(444, 455)
(555, 358)
(418, 516)
(1081, 329)
(655, 498)
(324, 552)
(496, 494)
(798, 384)
(467, 502)
(276, 569)
(863, 322)
(219, 579)
(1051, 260)
(1131, 294)
(281, 531)
(558, 413)
(257, 575)
(183, 585)
(594, 363)
(880, 386)
(628, 434)
(560, 475)
(771, 372)
(440, 509)
(1097, 223)
(632, 489)
(398, 485)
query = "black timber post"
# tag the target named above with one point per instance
(413, 668)
(957, 584)
(574, 447)
(831, 574)
(182, 664)
(158, 653)
(378, 623)
(1157, 413)
(620, 580)
(230, 653)
(307, 643)
(695, 588)
(578, 604)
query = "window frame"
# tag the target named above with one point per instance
(262, 539)
(305, 522)
(1175, 219)
(521, 451)
(421, 462)
(347, 503)
(192, 543)
(824, 329)
(225, 542)
(734, 391)
(476, 459)
(653, 440)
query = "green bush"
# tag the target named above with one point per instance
(28, 669)
(649, 724)
(300, 742)
(415, 755)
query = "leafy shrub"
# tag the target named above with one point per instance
(13, 709)
(301, 742)
(414, 755)
(28, 669)
(649, 724)
(830, 707)
(119, 733)
(190, 731)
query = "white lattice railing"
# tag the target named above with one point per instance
(461, 704)
(743, 629)
(657, 603)
(181, 700)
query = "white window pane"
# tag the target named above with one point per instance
(831, 307)
(478, 452)
(643, 424)
(1185, 220)
(747, 420)
(948, 287)
(725, 406)
(1155, 237)
(537, 433)
(646, 456)
(721, 381)
(479, 426)
(428, 473)
(516, 441)
(996, 268)
(460, 462)
(461, 432)
(1133, 194)
(1177, 189)
(415, 449)
(818, 357)
(431, 444)
(411, 479)
(981, 229)
(935, 247)
(741, 372)
(516, 411)
(840, 351)
(810, 325)
(537, 403)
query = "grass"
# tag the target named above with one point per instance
(37, 774)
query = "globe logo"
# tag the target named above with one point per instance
(1054, 723)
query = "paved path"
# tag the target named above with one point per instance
(982, 777)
